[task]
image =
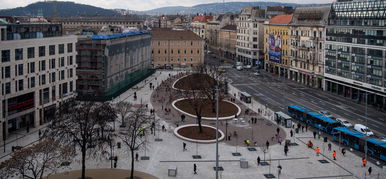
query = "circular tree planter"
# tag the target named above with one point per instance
(190, 132)
(228, 110)
(194, 81)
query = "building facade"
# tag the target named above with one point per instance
(277, 44)
(307, 45)
(227, 41)
(250, 36)
(73, 25)
(109, 64)
(198, 25)
(176, 48)
(355, 54)
(37, 74)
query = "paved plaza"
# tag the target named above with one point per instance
(300, 163)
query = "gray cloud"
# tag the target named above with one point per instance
(145, 4)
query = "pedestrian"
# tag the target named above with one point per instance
(319, 134)
(370, 170)
(334, 155)
(267, 144)
(278, 130)
(229, 137)
(182, 117)
(195, 169)
(258, 160)
(279, 140)
(183, 146)
(317, 150)
(329, 146)
(302, 128)
(292, 133)
(364, 162)
(163, 128)
(136, 156)
(343, 151)
(314, 134)
(40, 133)
(279, 169)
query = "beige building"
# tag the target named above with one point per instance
(227, 41)
(73, 25)
(176, 48)
(308, 35)
(37, 74)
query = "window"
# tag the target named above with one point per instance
(7, 72)
(52, 63)
(61, 61)
(42, 65)
(7, 88)
(53, 93)
(51, 49)
(32, 82)
(62, 75)
(53, 77)
(21, 83)
(42, 51)
(43, 80)
(61, 48)
(32, 67)
(5, 55)
(19, 54)
(69, 60)
(69, 47)
(20, 69)
(31, 52)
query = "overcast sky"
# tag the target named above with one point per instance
(144, 4)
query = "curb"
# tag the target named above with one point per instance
(194, 140)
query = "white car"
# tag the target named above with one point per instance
(363, 129)
(344, 122)
(248, 66)
(256, 74)
(239, 67)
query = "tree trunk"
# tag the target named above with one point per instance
(84, 161)
(213, 106)
(199, 123)
(132, 165)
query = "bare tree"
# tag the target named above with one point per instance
(35, 161)
(132, 134)
(123, 108)
(81, 124)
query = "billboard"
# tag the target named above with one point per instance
(274, 50)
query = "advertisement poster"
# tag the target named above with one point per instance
(274, 51)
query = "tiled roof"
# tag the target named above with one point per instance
(230, 27)
(202, 18)
(169, 34)
(281, 19)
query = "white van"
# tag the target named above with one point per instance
(363, 129)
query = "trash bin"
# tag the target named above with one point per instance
(172, 171)
(243, 163)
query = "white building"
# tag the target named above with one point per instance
(250, 36)
(36, 74)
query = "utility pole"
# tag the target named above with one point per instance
(217, 91)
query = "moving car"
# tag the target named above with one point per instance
(363, 129)
(344, 122)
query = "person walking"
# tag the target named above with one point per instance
(334, 155)
(292, 133)
(317, 151)
(195, 169)
(279, 168)
(183, 146)
(258, 160)
(267, 144)
(285, 150)
(329, 146)
(343, 151)
(364, 162)
(370, 170)
(136, 156)
(314, 134)
(278, 130)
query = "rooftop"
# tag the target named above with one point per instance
(119, 35)
(202, 18)
(281, 19)
(169, 34)
(230, 27)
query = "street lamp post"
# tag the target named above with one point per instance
(217, 90)
(366, 126)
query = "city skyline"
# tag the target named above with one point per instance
(142, 5)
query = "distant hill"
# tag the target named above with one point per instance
(215, 8)
(47, 9)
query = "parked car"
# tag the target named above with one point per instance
(248, 66)
(325, 113)
(344, 122)
(363, 129)
(239, 67)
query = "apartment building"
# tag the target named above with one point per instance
(176, 48)
(109, 64)
(37, 74)
(227, 41)
(198, 25)
(277, 44)
(250, 36)
(355, 53)
(308, 36)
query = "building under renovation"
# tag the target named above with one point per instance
(110, 64)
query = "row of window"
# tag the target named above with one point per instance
(171, 60)
(172, 51)
(30, 52)
(185, 43)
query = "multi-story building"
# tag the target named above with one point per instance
(73, 25)
(176, 48)
(355, 54)
(277, 44)
(198, 25)
(37, 73)
(211, 33)
(227, 41)
(250, 36)
(109, 64)
(307, 45)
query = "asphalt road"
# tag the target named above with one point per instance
(278, 93)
